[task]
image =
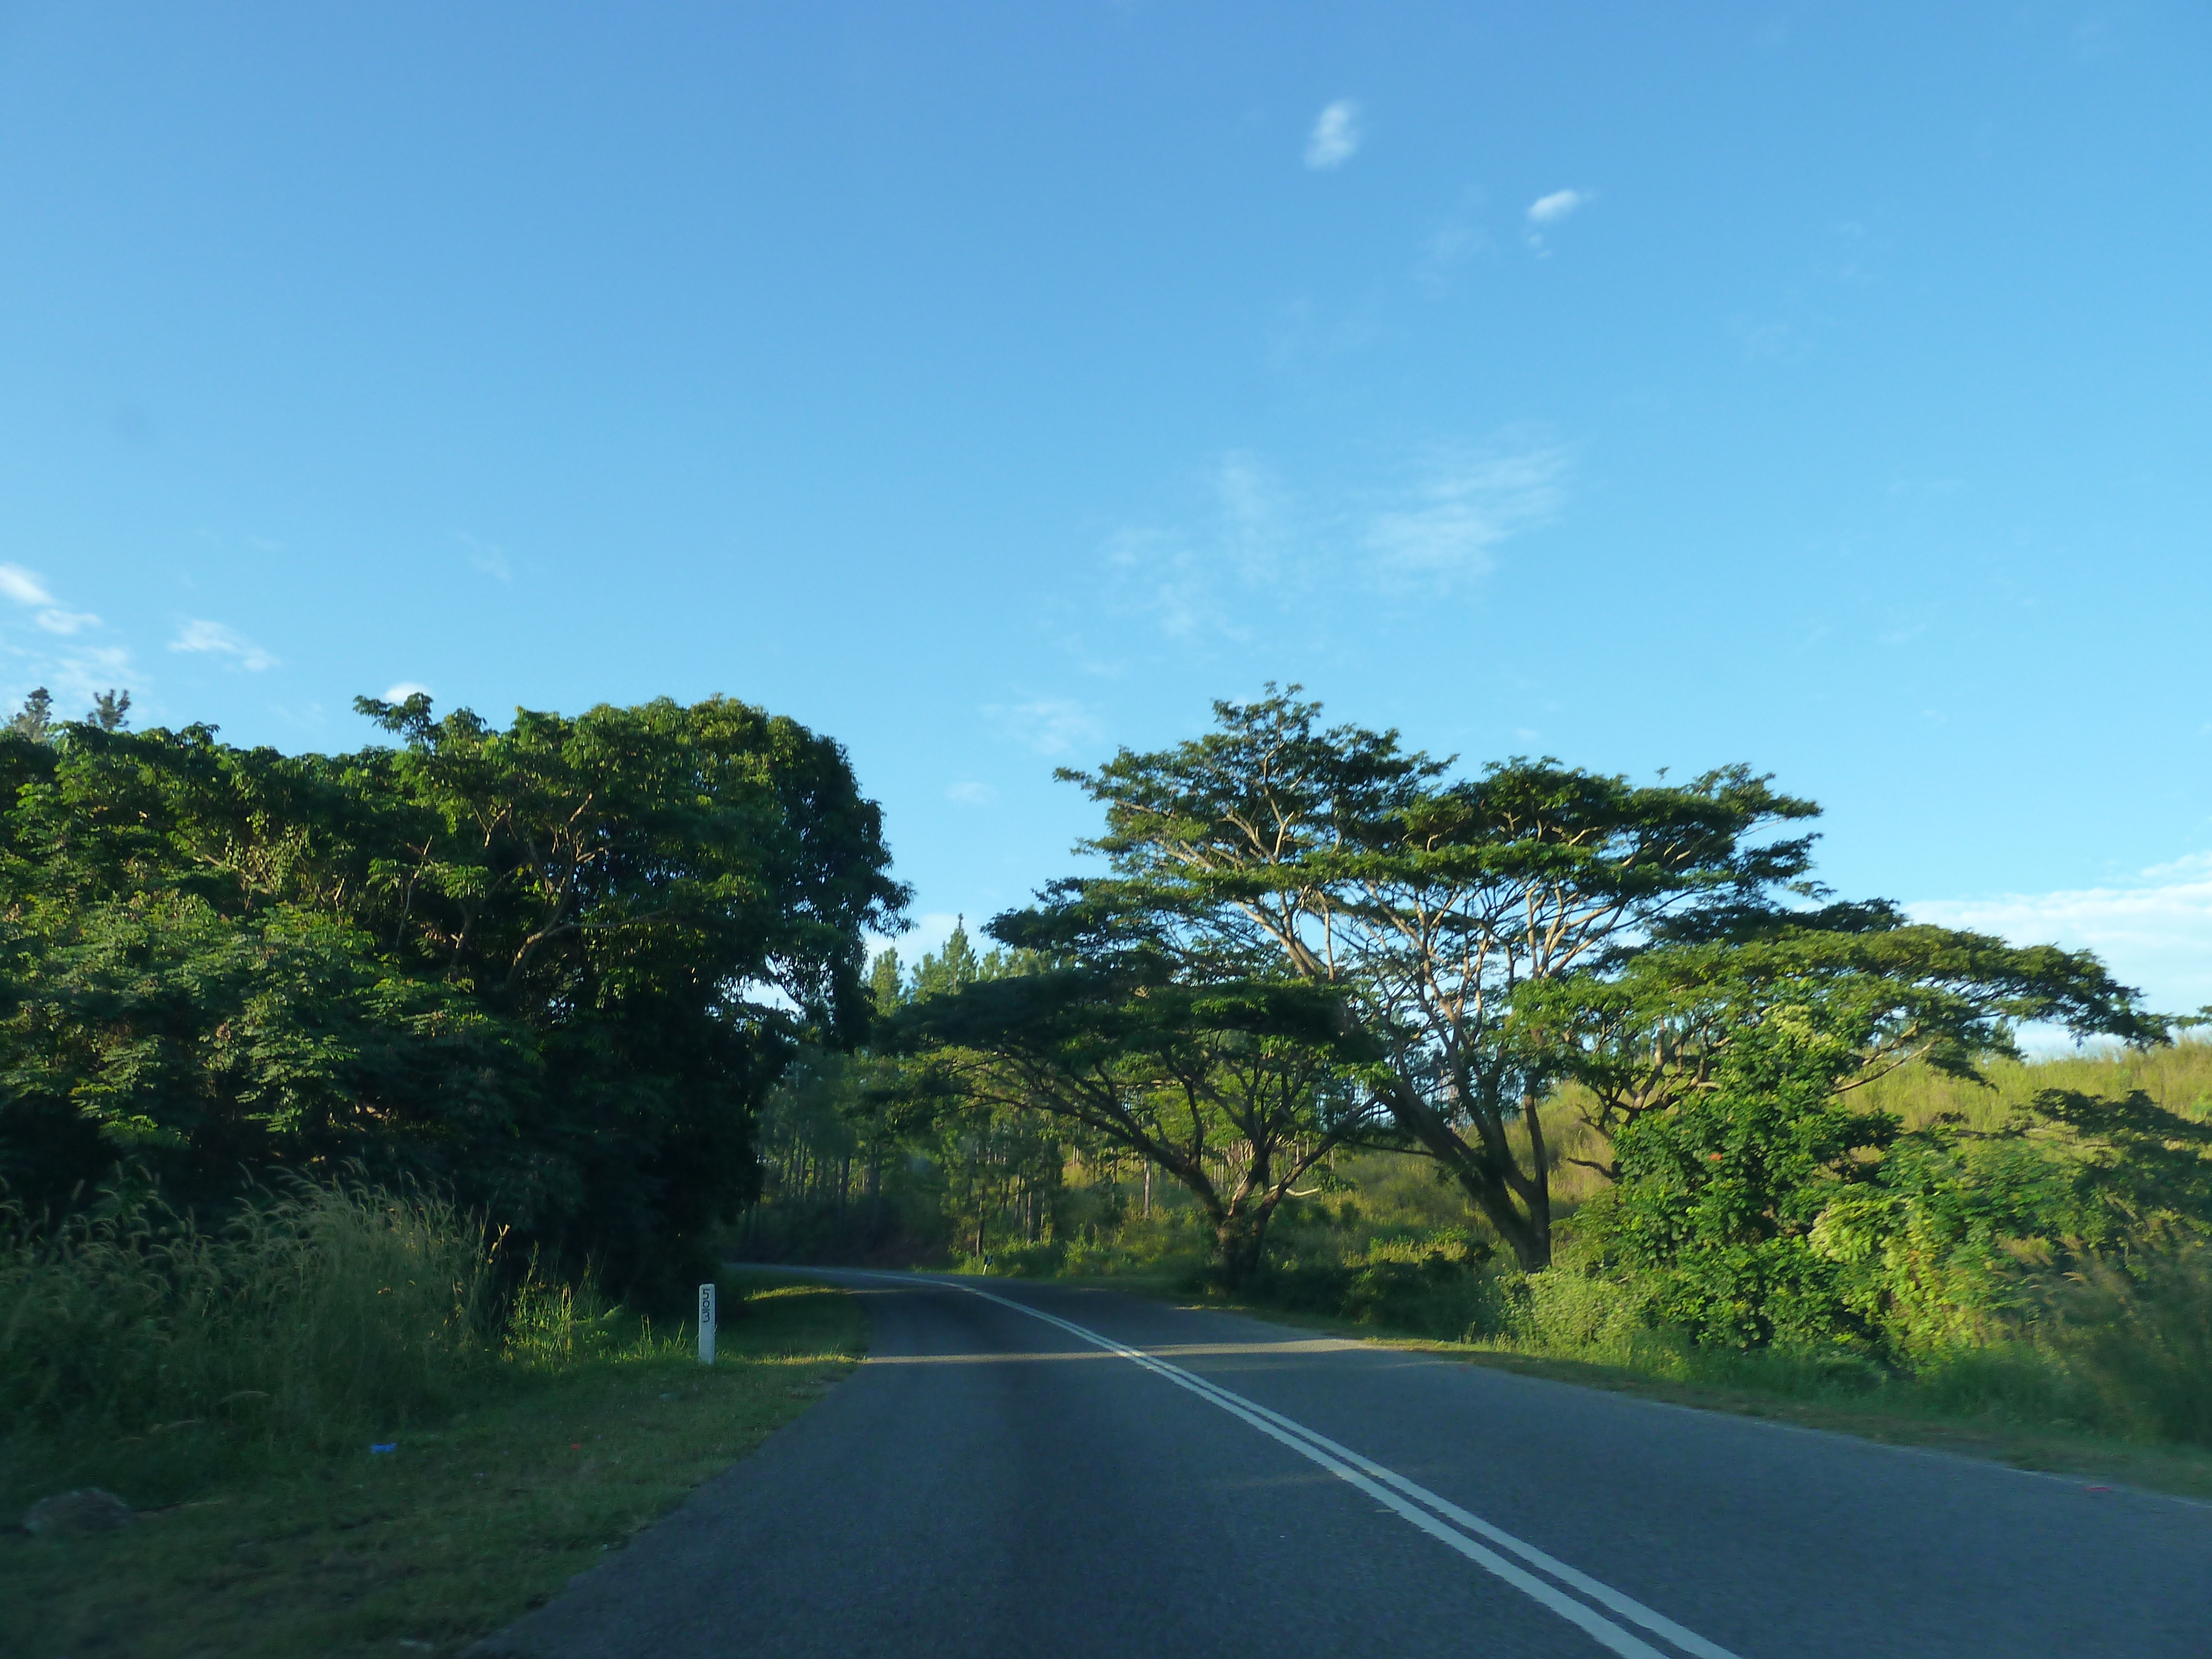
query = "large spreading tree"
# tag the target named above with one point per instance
(1486, 932)
(1236, 1086)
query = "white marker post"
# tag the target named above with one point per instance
(707, 1324)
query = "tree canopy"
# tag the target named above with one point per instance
(552, 966)
(1495, 933)
(1233, 1087)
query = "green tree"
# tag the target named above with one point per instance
(1235, 1088)
(1426, 903)
(1963, 1235)
(1644, 1033)
(1719, 1197)
(1765, 1206)
(555, 966)
(35, 719)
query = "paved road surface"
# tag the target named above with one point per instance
(1032, 1470)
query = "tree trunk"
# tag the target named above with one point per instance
(1237, 1238)
(1526, 1229)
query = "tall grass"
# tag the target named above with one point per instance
(2178, 1078)
(316, 1311)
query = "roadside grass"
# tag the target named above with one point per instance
(1762, 1386)
(475, 1518)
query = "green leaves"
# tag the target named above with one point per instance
(554, 964)
(1272, 846)
(1234, 1086)
(1763, 1205)
(1645, 1033)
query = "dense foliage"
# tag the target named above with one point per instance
(550, 968)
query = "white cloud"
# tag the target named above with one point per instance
(1050, 725)
(20, 585)
(1461, 506)
(2154, 931)
(73, 677)
(213, 638)
(1550, 210)
(30, 589)
(1335, 136)
(969, 793)
(406, 690)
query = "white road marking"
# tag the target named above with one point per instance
(1393, 1490)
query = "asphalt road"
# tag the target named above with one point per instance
(1120, 1477)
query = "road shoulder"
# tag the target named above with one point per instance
(462, 1527)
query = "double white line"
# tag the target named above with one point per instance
(1443, 1520)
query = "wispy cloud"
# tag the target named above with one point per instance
(20, 585)
(1461, 504)
(1189, 578)
(30, 590)
(2154, 931)
(214, 639)
(969, 793)
(1550, 210)
(484, 556)
(1770, 340)
(1335, 137)
(1456, 240)
(406, 690)
(1259, 551)
(1050, 725)
(74, 675)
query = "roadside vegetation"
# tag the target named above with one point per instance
(366, 1122)
(1553, 1065)
(329, 1430)
(549, 969)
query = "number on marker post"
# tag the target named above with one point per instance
(707, 1324)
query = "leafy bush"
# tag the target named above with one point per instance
(1718, 1198)
(1021, 1261)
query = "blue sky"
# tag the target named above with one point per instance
(989, 385)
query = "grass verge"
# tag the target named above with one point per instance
(459, 1531)
(2184, 1471)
